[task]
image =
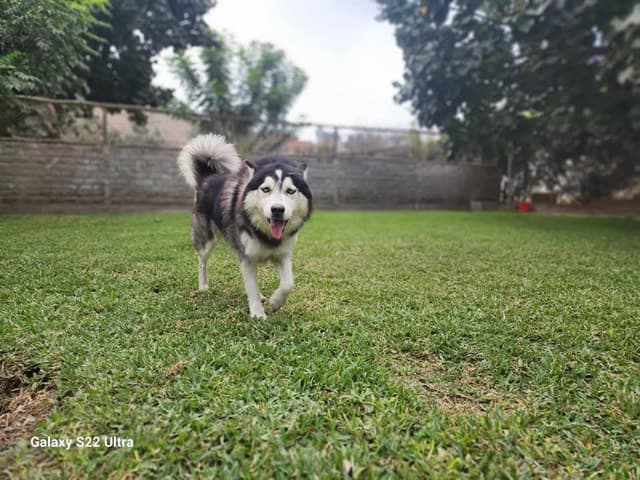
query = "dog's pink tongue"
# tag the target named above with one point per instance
(277, 227)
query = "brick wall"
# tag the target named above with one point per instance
(53, 176)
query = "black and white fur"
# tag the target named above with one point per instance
(257, 207)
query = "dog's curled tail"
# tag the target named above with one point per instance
(207, 155)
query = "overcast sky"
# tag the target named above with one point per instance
(350, 57)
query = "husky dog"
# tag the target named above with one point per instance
(257, 207)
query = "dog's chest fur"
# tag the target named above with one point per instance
(258, 252)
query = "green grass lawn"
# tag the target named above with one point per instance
(414, 343)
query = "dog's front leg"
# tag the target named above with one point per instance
(285, 271)
(250, 277)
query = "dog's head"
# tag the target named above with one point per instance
(277, 200)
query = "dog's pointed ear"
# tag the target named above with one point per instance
(303, 167)
(251, 166)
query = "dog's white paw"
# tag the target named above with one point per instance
(274, 305)
(203, 288)
(278, 299)
(257, 311)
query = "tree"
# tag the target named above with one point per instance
(513, 78)
(238, 87)
(44, 45)
(134, 31)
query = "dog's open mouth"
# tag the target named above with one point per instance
(277, 227)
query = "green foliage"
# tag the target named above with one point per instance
(625, 59)
(433, 150)
(511, 78)
(12, 79)
(444, 345)
(44, 44)
(134, 31)
(254, 82)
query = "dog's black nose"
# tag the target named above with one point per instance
(277, 210)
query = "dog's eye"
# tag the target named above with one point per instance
(266, 189)
(291, 191)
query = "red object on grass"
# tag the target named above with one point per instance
(524, 207)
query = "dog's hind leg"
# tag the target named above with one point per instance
(250, 277)
(203, 254)
(285, 271)
(203, 241)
